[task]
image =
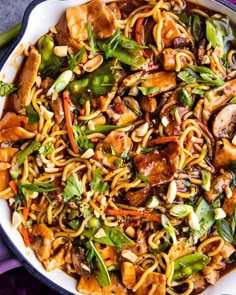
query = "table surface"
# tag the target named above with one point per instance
(15, 281)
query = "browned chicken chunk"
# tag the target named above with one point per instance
(164, 81)
(137, 198)
(159, 167)
(6, 155)
(101, 17)
(228, 205)
(128, 274)
(12, 120)
(225, 153)
(28, 76)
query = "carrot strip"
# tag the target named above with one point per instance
(138, 28)
(25, 213)
(134, 213)
(13, 187)
(162, 140)
(25, 235)
(69, 127)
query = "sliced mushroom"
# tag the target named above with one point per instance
(218, 97)
(225, 153)
(224, 122)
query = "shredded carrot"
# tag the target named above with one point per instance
(25, 213)
(13, 187)
(69, 127)
(25, 235)
(94, 139)
(162, 140)
(138, 29)
(134, 213)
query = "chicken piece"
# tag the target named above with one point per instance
(169, 30)
(108, 254)
(15, 134)
(211, 271)
(103, 102)
(199, 283)
(148, 104)
(128, 274)
(227, 250)
(168, 59)
(43, 241)
(6, 155)
(159, 167)
(218, 97)
(164, 81)
(180, 249)
(224, 122)
(63, 36)
(116, 142)
(137, 198)
(28, 76)
(89, 285)
(218, 183)
(153, 278)
(55, 261)
(102, 20)
(123, 112)
(58, 110)
(11, 120)
(132, 79)
(225, 153)
(99, 121)
(228, 205)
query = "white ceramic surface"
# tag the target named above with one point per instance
(40, 19)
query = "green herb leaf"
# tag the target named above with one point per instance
(185, 98)
(168, 227)
(91, 38)
(32, 114)
(74, 187)
(6, 88)
(148, 90)
(206, 180)
(46, 149)
(96, 184)
(224, 230)
(81, 139)
(39, 187)
(75, 60)
(33, 147)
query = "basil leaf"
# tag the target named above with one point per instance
(96, 184)
(224, 230)
(32, 115)
(6, 88)
(74, 187)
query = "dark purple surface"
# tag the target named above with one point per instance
(15, 279)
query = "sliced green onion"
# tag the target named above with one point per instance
(61, 82)
(180, 210)
(152, 202)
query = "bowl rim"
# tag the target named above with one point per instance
(3, 234)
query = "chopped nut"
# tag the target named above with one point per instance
(193, 221)
(164, 121)
(130, 231)
(88, 154)
(219, 213)
(60, 51)
(129, 255)
(142, 130)
(92, 64)
(100, 233)
(228, 192)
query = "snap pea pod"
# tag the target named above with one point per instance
(104, 129)
(34, 146)
(99, 82)
(50, 63)
(101, 272)
(205, 214)
(187, 265)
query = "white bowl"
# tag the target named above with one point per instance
(39, 17)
